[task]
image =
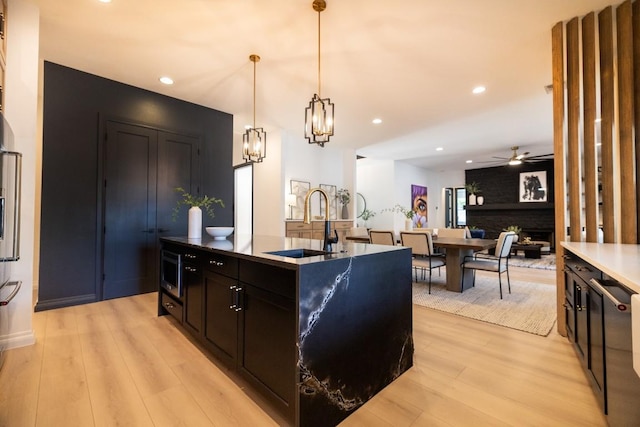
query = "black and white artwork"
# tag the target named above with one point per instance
(299, 190)
(533, 186)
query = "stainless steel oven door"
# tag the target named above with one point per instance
(171, 273)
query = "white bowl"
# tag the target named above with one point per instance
(219, 233)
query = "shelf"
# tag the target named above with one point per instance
(511, 206)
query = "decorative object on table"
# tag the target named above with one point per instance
(197, 204)
(333, 201)
(406, 212)
(366, 216)
(472, 190)
(344, 197)
(291, 202)
(516, 229)
(318, 118)
(533, 186)
(254, 140)
(299, 190)
(219, 233)
(419, 206)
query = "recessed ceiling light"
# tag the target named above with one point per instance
(376, 121)
(439, 149)
(105, 1)
(166, 80)
(479, 89)
(469, 161)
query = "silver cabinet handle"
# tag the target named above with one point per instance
(190, 256)
(622, 307)
(169, 305)
(216, 263)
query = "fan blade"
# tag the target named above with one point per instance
(540, 156)
(522, 156)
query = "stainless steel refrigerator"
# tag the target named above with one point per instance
(10, 177)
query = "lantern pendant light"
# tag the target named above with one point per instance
(318, 121)
(254, 140)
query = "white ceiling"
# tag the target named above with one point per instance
(412, 63)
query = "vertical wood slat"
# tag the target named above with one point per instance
(636, 68)
(573, 132)
(557, 63)
(605, 28)
(628, 206)
(589, 145)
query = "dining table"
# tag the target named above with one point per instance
(455, 250)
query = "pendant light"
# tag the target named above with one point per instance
(254, 140)
(318, 120)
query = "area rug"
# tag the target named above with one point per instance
(546, 262)
(531, 307)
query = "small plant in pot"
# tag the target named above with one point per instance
(516, 229)
(196, 204)
(473, 189)
(367, 215)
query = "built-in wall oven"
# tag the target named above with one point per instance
(171, 273)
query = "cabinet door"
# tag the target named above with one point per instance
(221, 308)
(596, 343)
(193, 296)
(582, 320)
(267, 333)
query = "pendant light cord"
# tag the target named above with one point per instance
(319, 94)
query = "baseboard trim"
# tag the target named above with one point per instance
(20, 339)
(64, 302)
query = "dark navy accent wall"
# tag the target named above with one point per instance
(500, 187)
(75, 106)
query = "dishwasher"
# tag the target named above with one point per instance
(622, 383)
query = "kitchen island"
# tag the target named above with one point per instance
(317, 334)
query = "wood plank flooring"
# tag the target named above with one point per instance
(115, 363)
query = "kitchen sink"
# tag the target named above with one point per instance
(299, 253)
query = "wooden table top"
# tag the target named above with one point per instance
(460, 243)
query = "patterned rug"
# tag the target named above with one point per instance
(531, 307)
(546, 262)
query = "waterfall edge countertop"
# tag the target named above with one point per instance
(620, 261)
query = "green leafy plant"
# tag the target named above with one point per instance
(205, 203)
(407, 212)
(516, 229)
(343, 196)
(367, 214)
(472, 188)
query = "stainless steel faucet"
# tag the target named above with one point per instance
(327, 241)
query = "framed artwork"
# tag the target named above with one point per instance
(419, 206)
(333, 201)
(533, 186)
(299, 190)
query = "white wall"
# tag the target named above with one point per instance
(385, 183)
(21, 104)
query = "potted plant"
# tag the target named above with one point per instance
(516, 229)
(344, 197)
(196, 205)
(367, 215)
(473, 189)
(407, 212)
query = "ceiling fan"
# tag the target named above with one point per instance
(517, 159)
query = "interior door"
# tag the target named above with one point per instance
(130, 254)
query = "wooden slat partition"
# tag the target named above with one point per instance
(628, 205)
(573, 128)
(607, 97)
(557, 61)
(590, 166)
(636, 67)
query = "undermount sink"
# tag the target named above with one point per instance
(299, 253)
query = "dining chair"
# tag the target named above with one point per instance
(498, 263)
(452, 232)
(423, 257)
(382, 237)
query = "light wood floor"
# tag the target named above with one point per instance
(116, 363)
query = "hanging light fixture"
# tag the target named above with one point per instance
(318, 121)
(254, 140)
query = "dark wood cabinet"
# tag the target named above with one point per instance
(221, 324)
(193, 291)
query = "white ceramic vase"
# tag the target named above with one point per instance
(195, 223)
(408, 225)
(472, 199)
(480, 200)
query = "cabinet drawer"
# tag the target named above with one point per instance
(583, 269)
(222, 264)
(173, 307)
(298, 226)
(343, 225)
(270, 278)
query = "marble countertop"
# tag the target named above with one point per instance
(256, 247)
(620, 261)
